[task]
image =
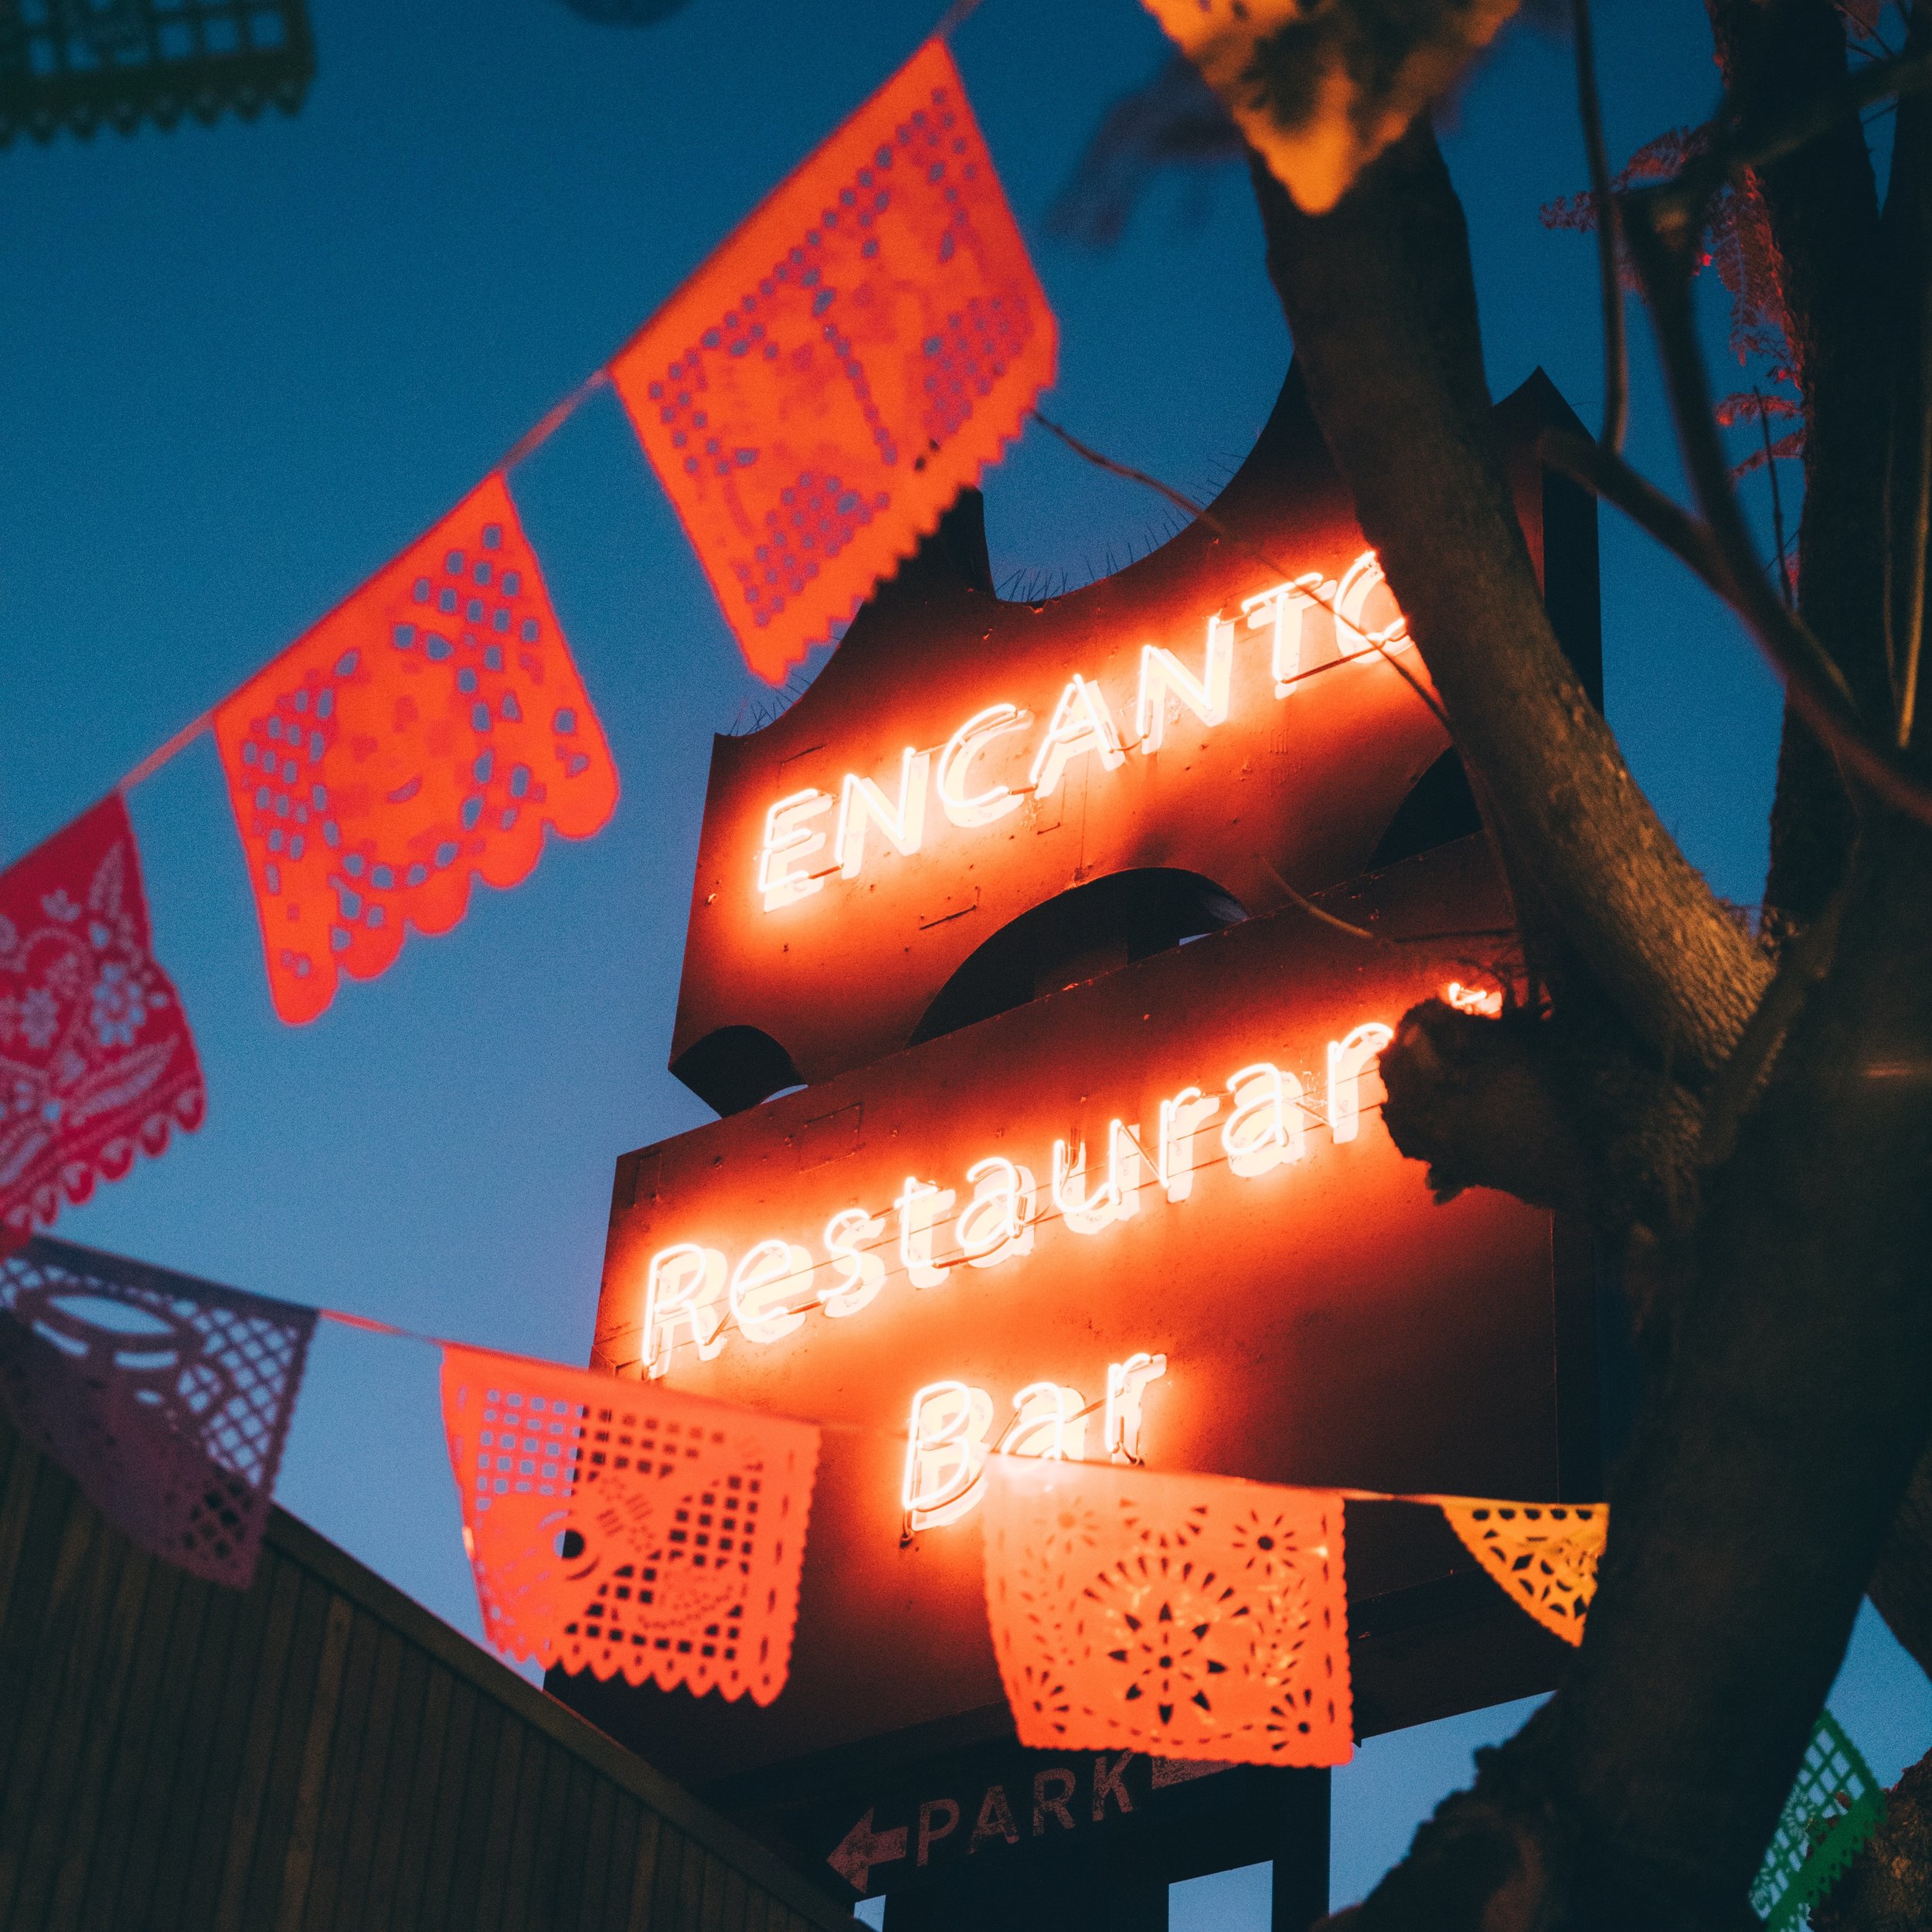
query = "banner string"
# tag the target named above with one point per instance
(871, 1432)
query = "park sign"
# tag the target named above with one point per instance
(1057, 1184)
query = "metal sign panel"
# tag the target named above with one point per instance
(945, 701)
(1243, 1276)
(1217, 710)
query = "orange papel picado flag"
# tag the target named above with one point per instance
(624, 1529)
(423, 734)
(1188, 1616)
(1544, 1554)
(865, 343)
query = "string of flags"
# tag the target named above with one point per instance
(811, 400)
(630, 1529)
(633, 1530)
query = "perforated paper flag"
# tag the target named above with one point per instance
(96, 1059)
(1544, 1554)
(621, 1528)
(815, 397)
(167, 1399)
(1836, 1804)
(1191, 1617)
(1319, 91)
(422, 735)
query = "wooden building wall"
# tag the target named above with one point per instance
(320, 1752)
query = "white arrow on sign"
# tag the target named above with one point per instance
(862, 1848)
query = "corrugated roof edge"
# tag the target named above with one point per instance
(296, 1540)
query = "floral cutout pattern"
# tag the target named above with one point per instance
(622, 1529)
(815, 396)
(166, 1400)
(423, 734)
(97, 1062)
(1191, 1617)
(1544, 1554)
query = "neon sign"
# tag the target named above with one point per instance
(695, 1295)
(949, 1423)
(798, 855)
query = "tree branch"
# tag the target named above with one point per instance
(1379, 297)
(1793, 121)
(1740, 1542)
(1590, 113)
(1557, 1115)
(1606, 474)
(1815, 684)
(1748, 141)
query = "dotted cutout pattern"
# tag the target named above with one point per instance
(820, 390)
(625, 1529)
(1191, 1617)
(1835, 1806)
(1544, 1554)
(172, 1417)
(421, 735)
(96, 1061)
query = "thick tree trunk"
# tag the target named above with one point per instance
(1792, 1386)
(1888, 1888)
(1767, 1473)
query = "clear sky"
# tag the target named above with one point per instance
(244, 365)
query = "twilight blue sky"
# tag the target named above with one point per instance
(246, 365)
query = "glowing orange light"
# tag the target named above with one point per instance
(685, 1287)
(1080, 723)
(768, 1283)
(1048, 1422)
(774, 1283)
(945, 1452)
(1265, 1130)
(1162, 674)
(985, 807)
(1126, 1382)
(919, 1206)
(1286, 607)
(996, 1224)
(1358, 581)
(1349, 1059)
(1116, 1198)
(1473, 999)
(788, 844)
(862, 1273)
(862, 803)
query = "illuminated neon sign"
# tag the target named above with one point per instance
(811, 837)
(696, 1296)
(949, 1425)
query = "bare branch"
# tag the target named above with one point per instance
(1555, 1114)
(1778, 501)
(1815, 684)
(1806, 960)
(1908, 696)
(1608, 476)
(1742, 145)
(1379, 298)
(1590, 110)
